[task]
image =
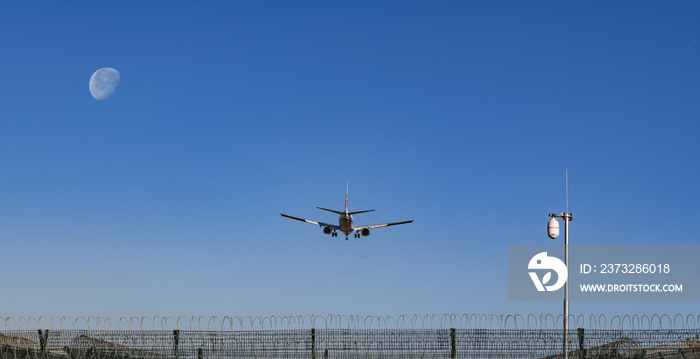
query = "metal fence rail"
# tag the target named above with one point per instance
(347, 343)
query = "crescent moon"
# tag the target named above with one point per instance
(103, 83)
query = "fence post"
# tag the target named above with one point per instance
(581, 337)
(176, 336)
(42, 343)
(313, 343)
(453, 342)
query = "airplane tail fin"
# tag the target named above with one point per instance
(346, 206)
(346, 203)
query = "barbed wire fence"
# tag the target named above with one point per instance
(340, 336)
(339, 321)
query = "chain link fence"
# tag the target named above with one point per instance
(315, 343)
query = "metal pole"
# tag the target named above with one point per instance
(566, 284)
(566, 217)
(176, 340)
(581, 339)
(313, 343)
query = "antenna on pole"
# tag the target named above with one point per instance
(566, 174)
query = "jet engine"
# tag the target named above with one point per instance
(327, 230)
(365, 232)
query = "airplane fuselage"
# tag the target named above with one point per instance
(345, 223)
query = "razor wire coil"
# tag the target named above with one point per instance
(339, 321)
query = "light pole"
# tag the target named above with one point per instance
(553, 232)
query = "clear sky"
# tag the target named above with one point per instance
(163, 199)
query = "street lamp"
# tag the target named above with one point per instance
(553, 232)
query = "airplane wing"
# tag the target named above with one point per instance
(311, 222)
(359, 228)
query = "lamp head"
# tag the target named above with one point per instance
(553, 228)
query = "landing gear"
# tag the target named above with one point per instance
(334, 234)
(357, 234)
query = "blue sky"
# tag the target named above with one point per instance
(163, 199)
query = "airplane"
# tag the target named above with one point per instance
(345, 222)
